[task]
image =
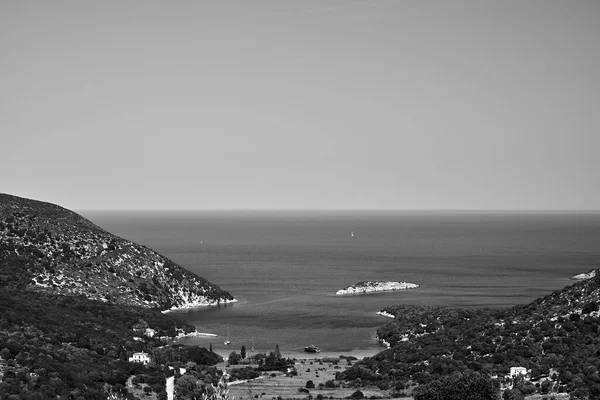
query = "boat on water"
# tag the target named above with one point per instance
(227, 341)
(312, 349)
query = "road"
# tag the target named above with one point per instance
(170, 385)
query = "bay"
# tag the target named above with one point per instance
(285, 267)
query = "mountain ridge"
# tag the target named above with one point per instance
(73, 256)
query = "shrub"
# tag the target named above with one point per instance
(457, 386)
(310, 384)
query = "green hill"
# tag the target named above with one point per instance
(69, 255)
(555, 338)
(76, 302)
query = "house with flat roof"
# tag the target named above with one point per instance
(143, 358)
(516, 371)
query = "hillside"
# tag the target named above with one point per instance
(76, 302)
(555, 337)
(69, 255)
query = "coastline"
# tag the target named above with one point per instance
(385, 314)
(194, 305)
(195, 334)
(375, 287)
(300, 355)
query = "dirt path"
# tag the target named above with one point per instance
(170, 387)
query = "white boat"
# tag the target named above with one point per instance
(352, 234)
(226, 342)
(312, 349)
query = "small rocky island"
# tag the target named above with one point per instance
(586, 275)
(376, 286)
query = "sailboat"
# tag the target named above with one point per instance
(352, 234)
(226, 342)
(252, 348)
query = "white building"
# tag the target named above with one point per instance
(143, 358)
(150, 332)
(516, 371)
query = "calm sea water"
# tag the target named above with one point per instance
(284, 267)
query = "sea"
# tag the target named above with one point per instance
(284, 267)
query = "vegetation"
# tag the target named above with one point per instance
(69, 255)
(458, 386)
(55, 346)
(555, 338)
(76, 301)
(76, 347)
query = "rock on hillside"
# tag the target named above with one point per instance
(73, 256)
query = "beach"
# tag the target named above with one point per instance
(284, 269)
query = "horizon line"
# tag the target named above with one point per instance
(390, 210)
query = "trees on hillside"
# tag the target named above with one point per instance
(459, 386)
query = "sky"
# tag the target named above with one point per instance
(428, 105)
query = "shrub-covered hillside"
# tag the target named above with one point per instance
(69, 255)
(555, 337)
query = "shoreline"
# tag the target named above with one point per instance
(192, 306)
(301, 355)
(385, 314)
(195, 334)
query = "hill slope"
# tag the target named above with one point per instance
(69, 255)
(554, 337)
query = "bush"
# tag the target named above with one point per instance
(512, 394)
(471, 385)
(357, 395)
(310, 384)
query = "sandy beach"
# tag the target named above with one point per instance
(301, 355)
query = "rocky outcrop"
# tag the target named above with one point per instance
(585, 275)
(375, 286)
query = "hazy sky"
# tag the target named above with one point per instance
(301, 104)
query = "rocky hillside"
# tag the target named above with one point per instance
(69, 255)
(555, 337)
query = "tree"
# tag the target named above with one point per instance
(220, 392)
(234, 358)
(513, 394)
(458, 386)
(277, 352)
(310, 384)
(243, 352)
(187, 386)
(210, 347)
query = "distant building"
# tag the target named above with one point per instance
(143, 358)
(150, 332)
(516, 371)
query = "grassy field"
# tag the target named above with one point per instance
(276, 384)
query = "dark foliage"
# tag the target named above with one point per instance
(468, 386)
(558, 332)
(53, 345)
